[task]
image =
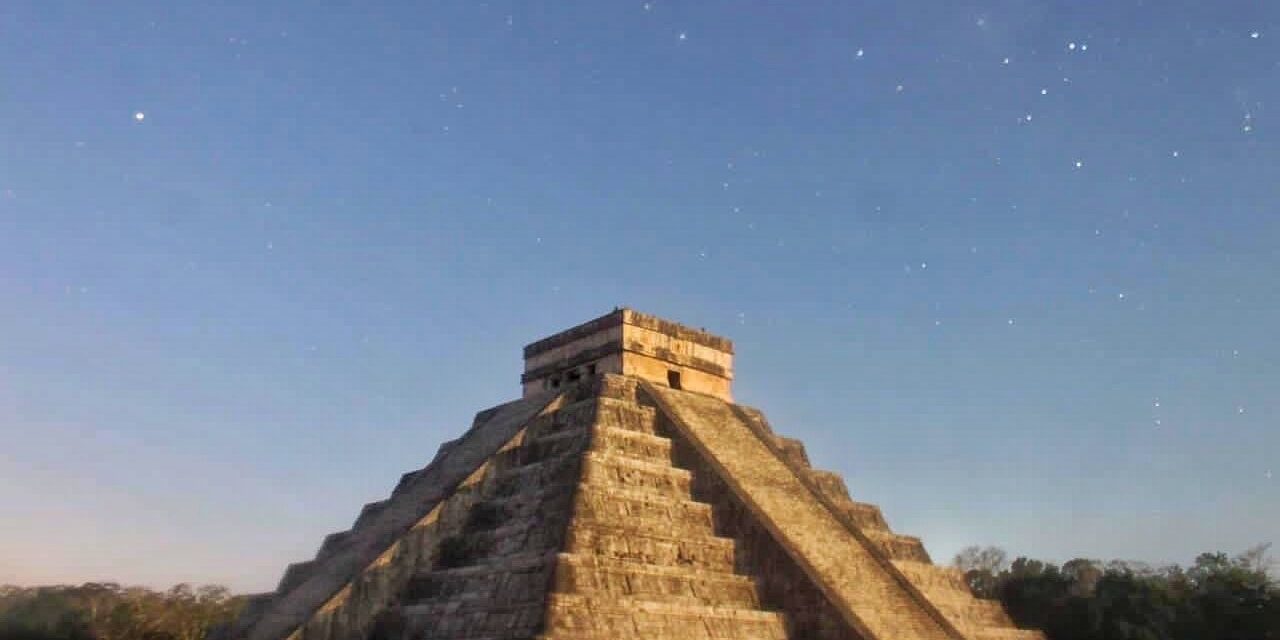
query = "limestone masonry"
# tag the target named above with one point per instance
(624, 496)
(631, 344)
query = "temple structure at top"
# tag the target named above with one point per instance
(630, 343)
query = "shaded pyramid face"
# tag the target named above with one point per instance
(620, 508)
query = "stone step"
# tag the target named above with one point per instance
(253, 607)
(945, 587)
(598, 577)
(932, 579)
(542, 447)
(537, 476)
(633, 444)
(625, 415)
(672, 549)
(792, 451)
(574, 616)
(506, 601)
(408, 478)
(616, 387)
(296, 574)
(534, 450)
(500, 511)
(605, 504)
(756, 418)
(897, 546)
(606, 412)
(650, 526)
(570, 417)
(333, 543)
(541, 464)
(448, 621)
(968, 611)
(369, 513)
(864, 515)
(509, 581)
(612, 470)
(514, 537)
(625, 564)
(830, 484)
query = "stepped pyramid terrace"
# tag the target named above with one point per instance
(625, 495)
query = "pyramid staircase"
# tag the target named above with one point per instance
(618, 509)
(943, 587)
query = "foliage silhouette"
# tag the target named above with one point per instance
(108, 611)
(1217, 598)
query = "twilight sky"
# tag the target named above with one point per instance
(1011, 267)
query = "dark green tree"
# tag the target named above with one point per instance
(1219, 597)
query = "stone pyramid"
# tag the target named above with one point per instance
(624, 496)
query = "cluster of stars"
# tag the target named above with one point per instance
(859, 53)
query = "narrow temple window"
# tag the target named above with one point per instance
(591, 369)
(673, 379)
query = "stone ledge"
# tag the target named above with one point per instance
(622, 316)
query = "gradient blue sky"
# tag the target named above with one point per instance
(1010, 267)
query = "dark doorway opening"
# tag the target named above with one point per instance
(673, 379)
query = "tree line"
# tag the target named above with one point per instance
(108, 611)
(1218, 597)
